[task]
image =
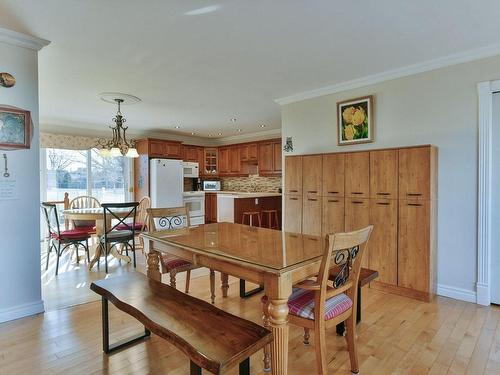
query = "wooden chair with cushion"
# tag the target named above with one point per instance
(168, 219)
(84, 201)
(319, 304)
(59, 240)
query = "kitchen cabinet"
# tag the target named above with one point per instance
(384, 174)
(333, 215)
(312, 175)
(333, 175)
(357, 174)
(158, 148)
(383, 243)
(414, 237)
(357, 216)
(293, 217)
(210, 208)
(224, 165)
(311, 215)
(417, 173)
(269, 159)
(192, 154)
(234, 160)
(249, 152)
(210, 162)
(293, 175)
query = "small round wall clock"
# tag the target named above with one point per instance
(7, 80)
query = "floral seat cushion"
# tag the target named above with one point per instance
(301, 303)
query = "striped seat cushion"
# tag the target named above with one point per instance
(169, 263)
(301, 303)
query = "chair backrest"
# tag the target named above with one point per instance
(142, 211)
(345, 251)
(65, 205)
(84, 201)
(168, 218)
(51, 218)
(122, 212)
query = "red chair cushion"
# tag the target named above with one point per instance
(301, 303)
(138, 227)
(71, 234)
(170, 263)
(86, 229)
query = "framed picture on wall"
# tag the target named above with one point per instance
(15, 127)
(355, 121)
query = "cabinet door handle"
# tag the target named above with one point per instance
(310, 199)
(414, 204)
(312, 191)
(333, 200)
(333, 192)
(383, 193)
(294, 199)
(414, 194)
(311, 239)
(357, 202)
(357, 192)
(293, 191)
(383, 203)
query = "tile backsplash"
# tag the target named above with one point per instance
(252, 183)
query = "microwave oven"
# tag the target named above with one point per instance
(190, 170)
(212, 185)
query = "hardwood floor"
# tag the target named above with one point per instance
(397, 336)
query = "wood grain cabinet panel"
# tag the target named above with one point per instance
(333, 215)
(266, 158)
(312, 175)
(415, 173)
(157, 149)
(333, 175)
(414, 245)
(384, 174)
(293, 217)
(311, 215)
(357, 174)
(173, 150)
(383, 243)
(223, 159)
(210, 207)
(357, 216)
(293, 175)
(234, 160)
(249, 152)
(277, 158)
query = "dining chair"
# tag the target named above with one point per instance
(319, 304)
(59, 240)
(141, 224)
(84, 201)
(112, 235)
(169, 219)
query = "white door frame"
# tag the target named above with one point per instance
(485, 92)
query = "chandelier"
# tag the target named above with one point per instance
(118, 145)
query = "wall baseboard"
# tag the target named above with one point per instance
(21, 311)
(483, 294)
(456, 293)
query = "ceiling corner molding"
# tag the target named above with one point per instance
(22, 40)
(459, 58)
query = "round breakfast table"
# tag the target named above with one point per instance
(97, 215)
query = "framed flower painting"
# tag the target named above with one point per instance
(355, 121)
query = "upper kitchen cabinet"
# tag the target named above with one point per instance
(224, 165)
(159, 148)
(418, 173)
(333, 175)
(293, 175)
(384, 174)
(210, 165)
(357, 174)
(249, 152)
(192, 153)
(269, 159)
(312, 175)
(234, 160)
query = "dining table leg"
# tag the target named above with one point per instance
(224, 278)
(153, 261)
(278, 290)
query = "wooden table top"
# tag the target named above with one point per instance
(270, 250)
(92, 213)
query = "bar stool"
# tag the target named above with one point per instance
(270, 215)
(250, 215)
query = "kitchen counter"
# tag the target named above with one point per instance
(231, 205)
(240, 194)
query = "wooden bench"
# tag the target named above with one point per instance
(365, 276)
(212, 339)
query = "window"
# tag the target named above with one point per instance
(83, 172)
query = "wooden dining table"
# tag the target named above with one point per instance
(262, 256)
(97, 215)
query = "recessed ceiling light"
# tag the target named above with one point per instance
(233, 120)
(204, 10)
(177, 127)
(238, 130)
(262, 125)
(219, 133)
(210, 135)
(193, 133)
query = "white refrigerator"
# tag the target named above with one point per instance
(166, 182)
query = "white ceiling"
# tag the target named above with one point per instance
(199, 70)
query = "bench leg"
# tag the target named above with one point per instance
(244, 293)
(105, 333)
(194, 369)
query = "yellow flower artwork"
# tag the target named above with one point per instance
(355, 122)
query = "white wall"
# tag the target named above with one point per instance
(20, 291)
(440, 108)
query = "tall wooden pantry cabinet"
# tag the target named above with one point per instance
(393, 189)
